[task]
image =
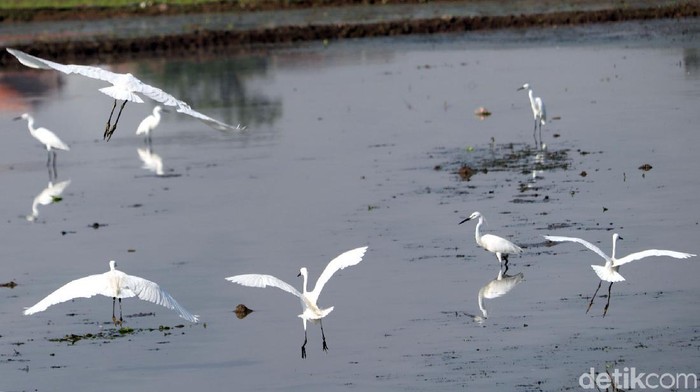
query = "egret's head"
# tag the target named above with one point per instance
(112, 264)
(157, 109)
(474, 215)
(525, 86)
(302, 272)
(24, 116)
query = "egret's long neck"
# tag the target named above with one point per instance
(305, 279)
(481, 303)
(532, 100)
(477, 231)
(30, 125)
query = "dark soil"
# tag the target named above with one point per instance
(215, 41)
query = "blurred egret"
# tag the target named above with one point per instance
(149, 123)
(497, 288)
(538, 110)
(45, 137)
(311, 311)
(51, 194)
(115, 284)
(151, 161)
(492, 243)
(609, 271)
(124, 87)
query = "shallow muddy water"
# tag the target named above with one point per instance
(360, 143)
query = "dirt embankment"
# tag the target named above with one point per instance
(206, 41)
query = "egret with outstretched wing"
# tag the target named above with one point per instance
(311, 311)
(124, 87)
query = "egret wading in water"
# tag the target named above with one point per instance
(538, 112)
(149, 123)
(115, 284)
(124, 87)
(492, 243)
(609, 272)
(48, 139)
(311, 311)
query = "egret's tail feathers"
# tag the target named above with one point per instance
(119, 93)
(607, 274)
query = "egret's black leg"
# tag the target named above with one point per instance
(303, 346)
(114, 126)
(109, 119)
(53, 162)
(593, 297)
(605, 311)
(120, 312)
(323, 335)
(114, 319)
(505, 262)
(539, 146)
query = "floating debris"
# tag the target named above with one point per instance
(9, 285)
(242, 311)
(465, 172)
(645, 167)
(97, 225)
(583, 173)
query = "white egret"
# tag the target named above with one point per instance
(115, 284)
(149, 123)
(610, 271)
(538, 110)
(492, 243)
(151, 161)
(124, 87)
(51, 194)
(45, 137)
(311, 311)
(498, 288)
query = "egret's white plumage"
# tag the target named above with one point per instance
(539, 112)
(311, 311)
(492, 243)
(124, 87)
(43, 135)
(498, 288)
(117, 285)
(609, 272)
(51, 194)
(150, 122)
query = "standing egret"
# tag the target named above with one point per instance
(609, 271)
(492, 243)
(115, 284)
(47, 138)
(149, 123)
(311, 311)
(124, 87)
(498, 288)
(538, 111)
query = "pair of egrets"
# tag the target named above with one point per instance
(608, 272)
(117, 285)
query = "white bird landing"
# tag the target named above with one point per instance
(539, 112)
(498, 288)
(48, 139)
(115, 284)
(124, 87)
(311, 311)
(609, 271)
(492, 243)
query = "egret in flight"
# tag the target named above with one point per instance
(538, 111)
(311, 311)
(498, 288)
(45, 137)
(610, 271)
(492, 243)
(115, 284)
(124, 87)
(149, 123)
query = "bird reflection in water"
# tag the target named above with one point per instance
(51, 194)
(497, 288)
(151, 161)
